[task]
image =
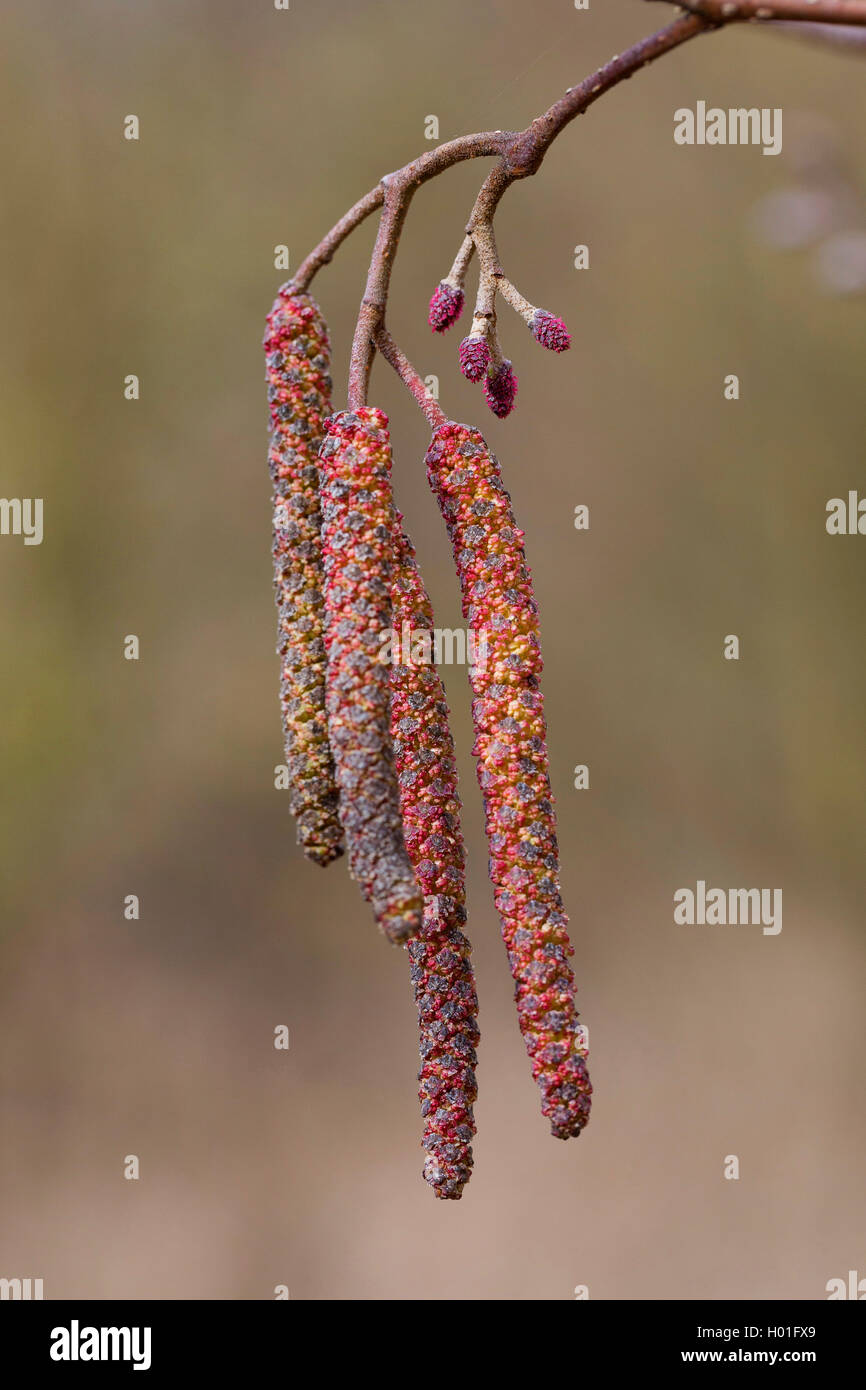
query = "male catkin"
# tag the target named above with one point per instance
(299, 388)
(442, 973)
(512, 765)
(357, 543)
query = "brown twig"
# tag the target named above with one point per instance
(457, 273)
(398, 190)
(409, 376)
(766, 11)
(484, 314)
(519, 155)
(836, 35)
(324, 252)
(493, 278)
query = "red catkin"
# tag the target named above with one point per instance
(446, 306)
(357, 545)
(513, 769)
(299, 388)
(474, 357)
(500, 389)
(441, 968)
(550, 331)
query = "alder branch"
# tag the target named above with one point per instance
(425, 167)
(836, 35)
(722, 12)
(519, 154)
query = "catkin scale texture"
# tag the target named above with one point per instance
(513, 769)
(500, 389)
(299, 386)
(474, 357)
(550, 331)
(446, 306)
(441, 968)
(357, 544)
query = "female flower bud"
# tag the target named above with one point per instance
(500, 389)
(550, 331)
(474, 355)
(446, 306)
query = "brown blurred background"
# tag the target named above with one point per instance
(154, 1037)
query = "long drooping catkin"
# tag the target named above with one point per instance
(357, 544)
(296, 347)
(442, 974)
(512, 765)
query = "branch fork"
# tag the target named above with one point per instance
(519, 155)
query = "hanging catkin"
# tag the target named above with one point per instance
(512, 765)
(357, 545)
(442, 975)
(297, 354)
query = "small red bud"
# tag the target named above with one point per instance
(474, 357)
(446, 306)
(299, 395)
(500, 389)
(550, 331)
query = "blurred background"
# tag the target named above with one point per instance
(156, 777)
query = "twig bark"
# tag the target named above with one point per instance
(744, 11)
(410, 378)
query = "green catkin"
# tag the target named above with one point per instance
(299, 386)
